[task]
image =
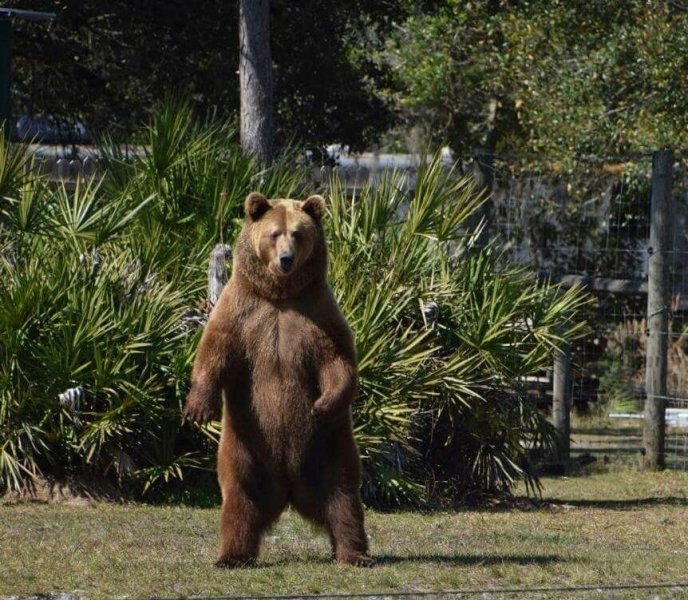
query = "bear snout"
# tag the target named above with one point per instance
(286, 262)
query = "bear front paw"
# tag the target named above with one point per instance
(198, 413)
(325, 411)
(321, 412)
(318, 411)
(201, 404)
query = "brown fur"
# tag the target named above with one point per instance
(281, 355)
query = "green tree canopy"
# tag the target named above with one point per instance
(555, 77)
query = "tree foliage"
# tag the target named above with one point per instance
(553, 77)
(107, 63)
(566, 77)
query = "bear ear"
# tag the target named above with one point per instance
(255, 206)
(315, 207)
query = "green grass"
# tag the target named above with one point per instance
(597, 528)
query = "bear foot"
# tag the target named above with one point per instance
(235, 562)
(356, 560)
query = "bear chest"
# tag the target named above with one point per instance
(284, 343)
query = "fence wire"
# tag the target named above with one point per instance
(590, 222)
(655, 591)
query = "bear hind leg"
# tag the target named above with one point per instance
(344, 523)
(242, 528)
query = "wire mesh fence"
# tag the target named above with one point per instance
(588, 222)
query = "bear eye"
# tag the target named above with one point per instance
(274, 235)
(297, 235)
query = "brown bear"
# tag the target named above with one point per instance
(279, 352)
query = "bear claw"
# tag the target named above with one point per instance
(235, 562)
(198, 414)
(357, 560)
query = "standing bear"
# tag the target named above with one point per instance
(280, 354)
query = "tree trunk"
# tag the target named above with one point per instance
(255, 78)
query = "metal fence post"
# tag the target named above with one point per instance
(657, 311)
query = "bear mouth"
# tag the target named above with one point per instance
(280, 271)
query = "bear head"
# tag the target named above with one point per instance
(281, 248)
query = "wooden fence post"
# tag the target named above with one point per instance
(657, 311)
(561, 401)
(217, 271)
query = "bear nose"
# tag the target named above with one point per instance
(286, 261)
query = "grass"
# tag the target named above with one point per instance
(598, 527)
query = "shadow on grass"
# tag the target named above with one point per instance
(469, 560)
(455, 560)
(582, 456)
(622, 504)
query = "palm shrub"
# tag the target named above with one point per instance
(80, 308)
(102, 286)
(446, 335)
